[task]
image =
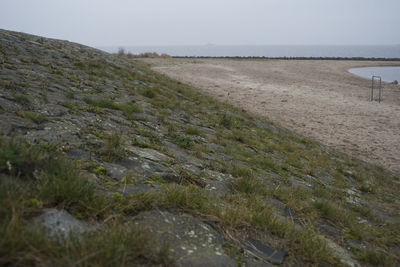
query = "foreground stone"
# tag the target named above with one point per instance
(191, 242)
(59, 223)
(264, 251)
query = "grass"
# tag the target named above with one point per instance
(58, 181)
(36, 118)
(193, 131)
(60, 185)
(149, 93)
(110, 247)
(182, 140)
(377, 258)
(129, 109)
(113, 149)
(145, 144)
(96, 106)
(33, 178)
(23, 100)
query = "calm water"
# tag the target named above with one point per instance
(388, 74)
(390, 51)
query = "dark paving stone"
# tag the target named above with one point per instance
(78, 154)
(328, 229)
(289, 212)
(265, 252)
(141, 188)
(115, 171)
(255, 263)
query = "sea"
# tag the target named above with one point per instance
(272, 51)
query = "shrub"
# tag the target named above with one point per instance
(121, 51)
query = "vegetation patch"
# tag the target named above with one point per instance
(23, 100)
(36, 118)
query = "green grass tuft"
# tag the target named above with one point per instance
(23, 100)
(36, 118)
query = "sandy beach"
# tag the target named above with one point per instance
(317, 98)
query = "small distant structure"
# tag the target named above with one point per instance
(378, 85)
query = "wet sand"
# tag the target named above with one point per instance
(316, 98)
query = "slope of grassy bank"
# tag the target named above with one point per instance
(90, 133)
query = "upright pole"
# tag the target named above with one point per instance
(378, 87)
(372, 88)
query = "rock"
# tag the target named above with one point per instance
(141, 188)
(263, 251)
(191, 242)
(149, 168)
(218, 184)
(255, 263)
(296, 182)
(265, 125)
(148, 153)
(57, 131)
(222, 177)
(182, 156)
(59, 223)
(383, 215)
(354, 197)
(279, 206)
(217, 188)
(190, 168)
(91, 177)
(289, 212)
(328, 229)
(115, 171)
(13, 125)
(146, 117)
(208, 131)
(78, 154)
(270, 176)
(353, 244)
(344, 255)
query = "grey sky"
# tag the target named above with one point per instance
(181, 22)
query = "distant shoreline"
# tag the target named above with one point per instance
(292, 58)
(377, 52)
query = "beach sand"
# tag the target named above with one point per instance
(317, 98)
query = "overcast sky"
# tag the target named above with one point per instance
(183, 22)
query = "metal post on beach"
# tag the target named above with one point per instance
(380, 87)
